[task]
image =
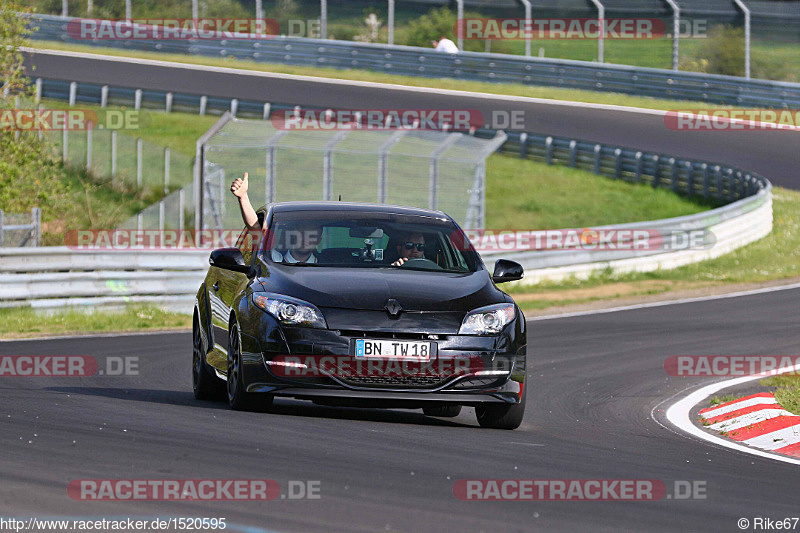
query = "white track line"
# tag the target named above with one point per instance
(668, 302)
(679, 415)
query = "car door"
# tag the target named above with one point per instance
(224, 286)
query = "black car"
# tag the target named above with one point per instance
(360, 304)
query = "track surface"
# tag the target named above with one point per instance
(771, 153)
(594, 382)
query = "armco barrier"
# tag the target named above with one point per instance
(413, 61)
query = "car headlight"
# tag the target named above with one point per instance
(487, 320)
(290, 311)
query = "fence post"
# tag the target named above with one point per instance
(73, 91)
(104, 96)
(548, 151)
(180, 209)
(40, 132)
(139, 163)
(36, 221)
(139, 221)
(161, 214)
(113, 155)
(391, 22)
(64, 145)
(89, 148)
(166, 170)
(323, 19)
(137, 99)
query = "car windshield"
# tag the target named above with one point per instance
(369, 240)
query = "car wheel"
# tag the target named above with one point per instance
(238, 398)
(502, 416)
(443, 411)
(206, 386)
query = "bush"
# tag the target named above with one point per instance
(724, 51)
(435, 24)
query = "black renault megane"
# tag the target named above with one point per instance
(360, 305)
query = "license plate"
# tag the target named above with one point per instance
(393, 348)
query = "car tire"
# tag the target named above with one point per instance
(502, 416)
(206, 385)
(238, 398)
(443, 411)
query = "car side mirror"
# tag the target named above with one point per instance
(505, 270)
(229, 259)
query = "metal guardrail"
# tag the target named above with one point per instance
(414, 61)
(21, 234)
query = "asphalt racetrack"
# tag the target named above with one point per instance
(594, 381)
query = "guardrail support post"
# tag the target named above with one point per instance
(38, 90)
(523, 145)
(137, 99)
(705, 181)
(720, 188)
(597, 154)
(689, 179)
(168, 103)
(618, 163)
(266, 111)
(656, 171)
(64, 145)
(638, 167)
(234, 106)
(103, 96)
(181, 209)
(2, 231)
(573, 153)
(673, 169)
(161, 215)
(548, 151)
(73, 92)
(166, 170)
(139, 163)
(203, 104)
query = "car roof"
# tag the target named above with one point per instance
(357, 207)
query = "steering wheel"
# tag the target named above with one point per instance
(421, 262)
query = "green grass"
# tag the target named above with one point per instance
(528, 195)
(511, 89)
(25, 322)
(787, 392)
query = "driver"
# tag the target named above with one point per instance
(301, 241)
(412, 246)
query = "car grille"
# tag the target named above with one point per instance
(417, 382)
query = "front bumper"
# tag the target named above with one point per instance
(498, 376)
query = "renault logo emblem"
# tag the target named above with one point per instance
(393, 307)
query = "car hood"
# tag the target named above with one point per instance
(370, 289)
